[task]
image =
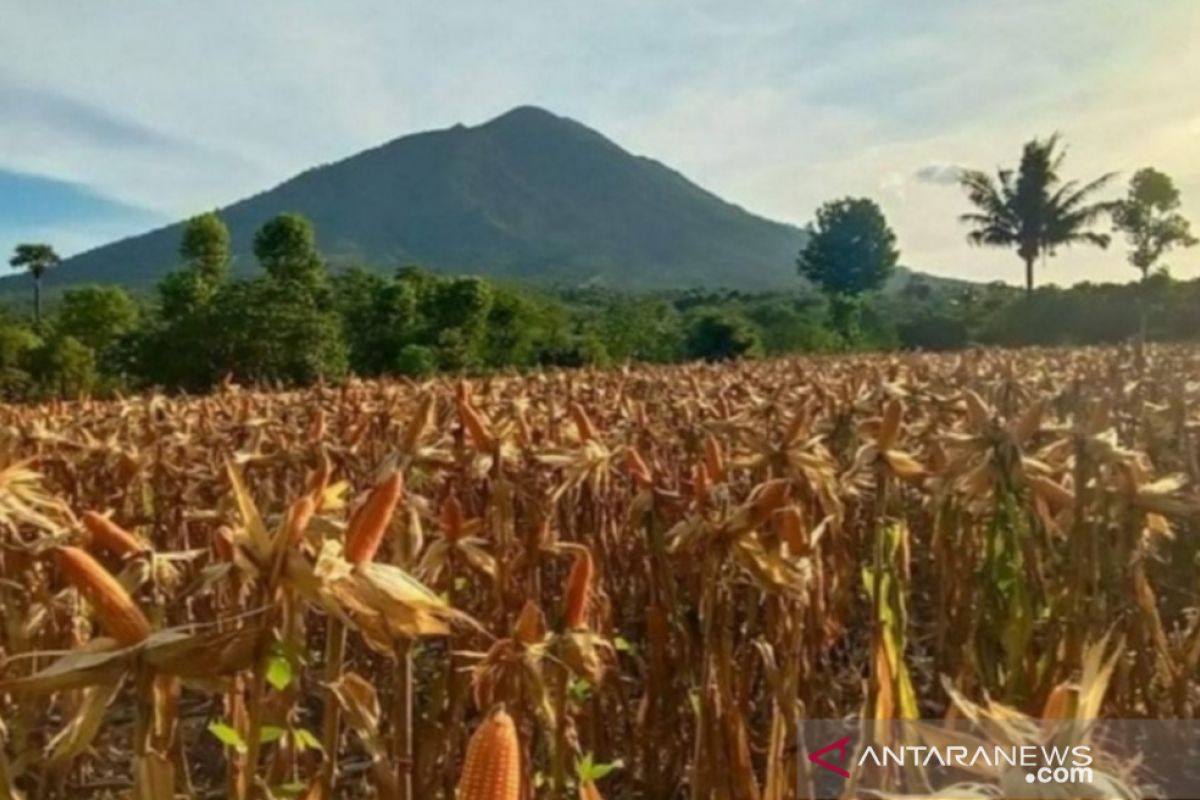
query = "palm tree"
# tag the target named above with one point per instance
(1033, 210)
(37, 259)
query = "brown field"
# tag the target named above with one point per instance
(632, 584)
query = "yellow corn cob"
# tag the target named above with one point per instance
(372, 519)
(493, 767)
(578, 593)
(638, 469)
(109, 536)
(118, 615)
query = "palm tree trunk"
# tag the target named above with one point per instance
(1029, 276)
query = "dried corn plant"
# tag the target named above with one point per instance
(585, 584)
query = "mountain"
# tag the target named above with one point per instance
(528, 195)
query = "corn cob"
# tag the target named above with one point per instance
(493, 766)
(450, 519)
(111, 537)
(638, 469)
(118, 615)
(419, 424)
(714, 459)
(791, 530)
(577, 596)
(372, 518)
(477, 427)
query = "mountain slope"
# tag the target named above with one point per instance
(528, 195)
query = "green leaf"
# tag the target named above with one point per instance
(227, 736)
(307, 740)
(279, 672)
(588, 770)
(623, 645)
(580, 690)
(270, 733)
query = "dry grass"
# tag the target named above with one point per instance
(654, 572)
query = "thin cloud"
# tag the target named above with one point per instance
(940, 174)
(47, 110)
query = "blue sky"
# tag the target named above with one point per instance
(119, 117)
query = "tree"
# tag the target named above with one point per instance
(380, 317)
(415, 361)
(97, 316)
(264, 331)
(851, 250)
(37, 260)
(456, 313)
(1149, 219)
(791, 325)
(65, 367)
(204, 247)
(716, 335)
(286, 247)
(17, 343)
(1033, 210)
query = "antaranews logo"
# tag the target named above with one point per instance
(942, 756)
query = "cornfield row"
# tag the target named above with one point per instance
(626, 584)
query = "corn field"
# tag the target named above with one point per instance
(584, 584)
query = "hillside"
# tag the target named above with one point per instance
(528, 195)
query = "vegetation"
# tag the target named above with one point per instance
(583, 584)
(1034, 210)
(850, 251)
(37, 260)
(323, 533)
(294, 320)
(1150, 220)
(299, 323)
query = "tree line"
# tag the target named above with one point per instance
(300, 322)
(1032, 210)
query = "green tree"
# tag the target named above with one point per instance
(380, 317)
(415, 361)
(97, 316)
(718, 335)
(456, 313)
(65, 367)
(1150, 220)
(17, 344)
(791, 325)
(642, 329)
(264, 331)
(512, 330)
(204, 247)
(204, 251)
(850, 251)
(1033, 210)
(286, 247)
(37, 260)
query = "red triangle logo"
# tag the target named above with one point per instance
(843, 748)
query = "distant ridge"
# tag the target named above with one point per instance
(528, 195)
